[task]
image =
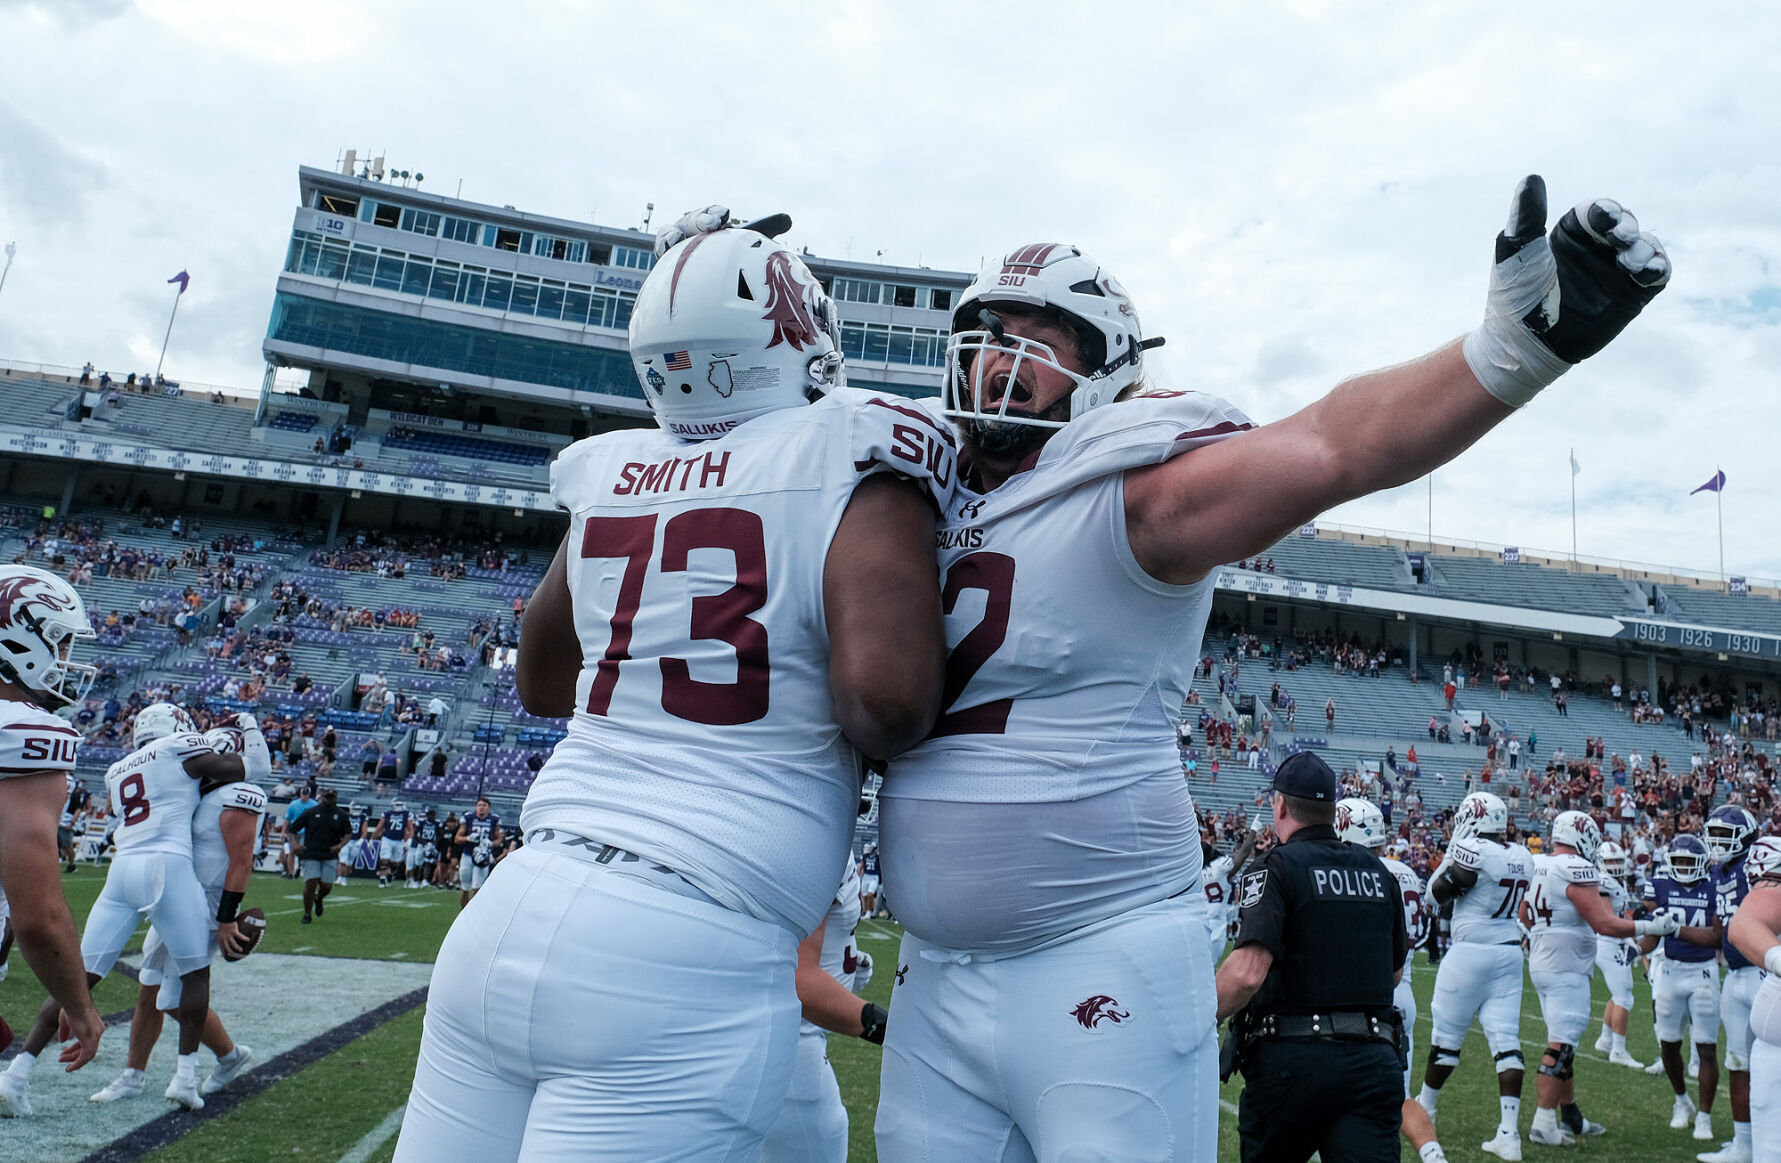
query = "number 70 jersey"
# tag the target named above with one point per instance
(1486, 913)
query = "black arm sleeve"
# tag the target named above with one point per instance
(1262, 904)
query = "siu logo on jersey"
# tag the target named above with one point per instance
(1097, 1009)
(791, 303)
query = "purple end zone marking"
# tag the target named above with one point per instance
(176, 1124)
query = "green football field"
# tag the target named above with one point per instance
(345, 1105)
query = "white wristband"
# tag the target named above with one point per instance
(1771, 960)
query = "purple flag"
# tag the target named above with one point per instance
(182, 279)
(1717, 484)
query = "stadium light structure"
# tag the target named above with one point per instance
(12, 248)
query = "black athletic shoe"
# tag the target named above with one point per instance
(307, 919)
(318, 908)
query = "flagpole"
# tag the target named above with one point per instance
(177, 296)
(1719, 504)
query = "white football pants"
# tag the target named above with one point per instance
(161, 886)
(812, 1124)
(1481, 981)
(1688, 989)
(1100, 1046)
(577, 1014)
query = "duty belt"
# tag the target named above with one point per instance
(1348, 1025)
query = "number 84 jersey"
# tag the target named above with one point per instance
(1485, 914)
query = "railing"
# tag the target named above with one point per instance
(21, 367)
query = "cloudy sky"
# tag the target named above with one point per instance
(1291, 192)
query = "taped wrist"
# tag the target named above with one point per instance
(1510, 361)
(226, 909)
(1771, 961)
(872, 1019)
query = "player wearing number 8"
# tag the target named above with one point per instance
(743, 599)
(1485, 877)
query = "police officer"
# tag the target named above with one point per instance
(1320, 946)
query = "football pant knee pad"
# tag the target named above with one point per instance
(1510, 1060)
(1442, 1056)
(1559, 1063)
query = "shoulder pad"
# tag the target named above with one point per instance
(1144, 430)
(570, 483)
(1578, 870)
(891, 434)
(246, 796)
(1466, 853)
(184, 746)
(33, 740)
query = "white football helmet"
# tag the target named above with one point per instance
(728, 326)
(1360, 822)
(41, 618)
(1611, 859)
(1728, 832)
(1687, 859)
(1578, 830)
(1764, 859)
(159, 720)
(222, 740)
(1058, 281)
(1480, 814)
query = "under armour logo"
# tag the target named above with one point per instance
(1092, 1012)
(902, 972)
(970, 509)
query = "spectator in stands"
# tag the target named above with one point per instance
(1448, 691)
(386, 769)
(1329, 715)
(436, 709)
(369, 752)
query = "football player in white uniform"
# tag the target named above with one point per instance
(41, 617)
(155, 791)
(1728, 833)
(1564, 915)
(812, 1124)
(1485, 877)
(1361, 822)
(224, 829)
(1687, 988)
(1753, 931)
(1220, 880)
(1078, 575)
(1614, 956)
(744, 597)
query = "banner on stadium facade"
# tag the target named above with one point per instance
(1511, 554)
(1308, 530)
(1740, 587)
(252, 468)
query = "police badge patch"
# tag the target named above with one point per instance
(1254, 885)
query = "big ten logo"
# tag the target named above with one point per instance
(331, 225)
(925, 449)
(48, 750)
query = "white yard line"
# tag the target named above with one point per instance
(376, 1137)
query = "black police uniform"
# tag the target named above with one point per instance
(1321, 1065)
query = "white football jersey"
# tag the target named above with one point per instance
(1486, 913)
(1560, 939)
(704, 735)
(33, 740)
(1221, 904)
(840, 957)
(1067, 664)
(153, 798)
(210, 857)
(1614, 893)
(1416, 913)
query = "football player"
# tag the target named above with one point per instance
(1220, 880)
(224, 828)
(1753, 930)
(1361, 822)
(423, 850)
(155, 791)
(1728, 834)
(394, 833)
(1565, 915)
(1042, 840)
(41, 618)
(745, 597)
(812, 1123)
(478, 837)
(1688, 985)
(1485, 877)
(1614, 956)
(869, 881)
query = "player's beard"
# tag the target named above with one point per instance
(1012, 442)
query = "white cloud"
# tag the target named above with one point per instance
(1291, 192)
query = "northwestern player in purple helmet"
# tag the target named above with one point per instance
(1729, 833)
(1688, 988)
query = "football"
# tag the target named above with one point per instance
(252, 923)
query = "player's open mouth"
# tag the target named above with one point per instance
(1019, 396)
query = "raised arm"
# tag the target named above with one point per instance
(1551, 304)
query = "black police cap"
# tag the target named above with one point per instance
(1305, 776)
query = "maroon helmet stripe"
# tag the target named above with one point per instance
(680, 265)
